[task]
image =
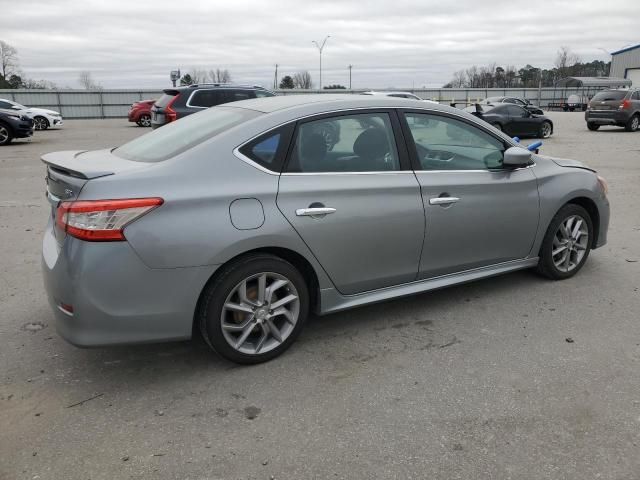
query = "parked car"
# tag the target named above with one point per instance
(514, 120)
(140, 112)
(575, 102)
(614, 107)
(523, 102)
(14, 125)
(42, 118)
(179, 102)
(238, 220)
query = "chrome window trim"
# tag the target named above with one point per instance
(188, 104)
(244, 158)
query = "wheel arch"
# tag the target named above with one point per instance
(592, 209)
(291, 256)
(45, 119)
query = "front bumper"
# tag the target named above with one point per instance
(116, 298)
(607, 117)
(56, 122)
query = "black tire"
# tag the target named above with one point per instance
(497, 126)
(6, 134)
(216, 293)
(144, 121)
(40, 123)
(546, 266)
(593, 126)
(545, 133)
(633, 123)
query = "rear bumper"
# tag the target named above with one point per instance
(117, 299)
(607, 117)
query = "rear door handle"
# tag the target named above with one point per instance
(314, 212)
(443, 200)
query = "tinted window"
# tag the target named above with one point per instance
(444, 143)
(509, 100)
(206, 98)
(164, 100)
(236, 95)
(515, 111)
(269, 150)
(263, 93)
(609, 96)
(4, 104)
(636, 96)
(349, 143)
(177, 137)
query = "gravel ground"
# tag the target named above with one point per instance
(475, 381)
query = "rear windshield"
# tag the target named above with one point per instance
(164, 100)
(607, 96)
(179, 136)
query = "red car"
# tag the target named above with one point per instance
(140, 112)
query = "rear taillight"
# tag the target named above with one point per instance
(102, 220)
(625, 104)
(170, 113)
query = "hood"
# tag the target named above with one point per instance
(568, 163)
(41, 110)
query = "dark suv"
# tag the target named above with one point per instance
(614, 107)
(179, 102)
(14, 125)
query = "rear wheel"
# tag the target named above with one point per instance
(593, 126)
(6, 135)
(566, 245)
(40, 123)
(145, 121)
(255, 309)
(545, 130)
(497, 126)
(633, 123)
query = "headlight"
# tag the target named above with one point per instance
(604, 186)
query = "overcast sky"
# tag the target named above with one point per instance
(135, 43)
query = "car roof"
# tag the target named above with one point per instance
(214, 85)
(372, 92)
(318, 103)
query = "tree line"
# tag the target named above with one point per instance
(566, 64)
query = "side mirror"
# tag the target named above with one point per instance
(516, 157)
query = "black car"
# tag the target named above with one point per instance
(14, 125)
(523, 102)
(179, 102)
(513, 120)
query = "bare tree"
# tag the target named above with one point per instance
(85, 79)
(8, 59)
(303, 80)
(198, 76)
(564, 59)
(220, 76)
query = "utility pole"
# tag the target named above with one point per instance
(320, 48)
(350, 67)
(275, 78)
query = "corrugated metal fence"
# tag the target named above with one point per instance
(114, 103)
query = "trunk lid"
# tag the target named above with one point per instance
(69, 171)
(608, 100)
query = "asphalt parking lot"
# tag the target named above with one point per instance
(514, 377)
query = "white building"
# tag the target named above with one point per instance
(625, 63)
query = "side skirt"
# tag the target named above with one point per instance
(332, 301)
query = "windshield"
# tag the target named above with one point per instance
(177, 137)
(609, 96)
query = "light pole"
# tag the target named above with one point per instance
(350, 67)
(320, 48)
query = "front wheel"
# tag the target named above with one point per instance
(255, 309)
(40, 123)
(5, 135)
(567, 243)
(593, 126)
(633, 124)
(145, 121)
(545, 130)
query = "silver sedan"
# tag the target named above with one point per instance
(242, 219)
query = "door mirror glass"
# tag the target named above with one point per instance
(517, 157)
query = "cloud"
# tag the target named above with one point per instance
(136, 44)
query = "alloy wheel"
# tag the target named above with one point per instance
(4, 134)
(145, 121)
(635, 122)
(570, 243)
(40, 123)
(546, 130)
(260, 313)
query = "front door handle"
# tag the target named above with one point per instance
(314, 212)
(443, 200)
